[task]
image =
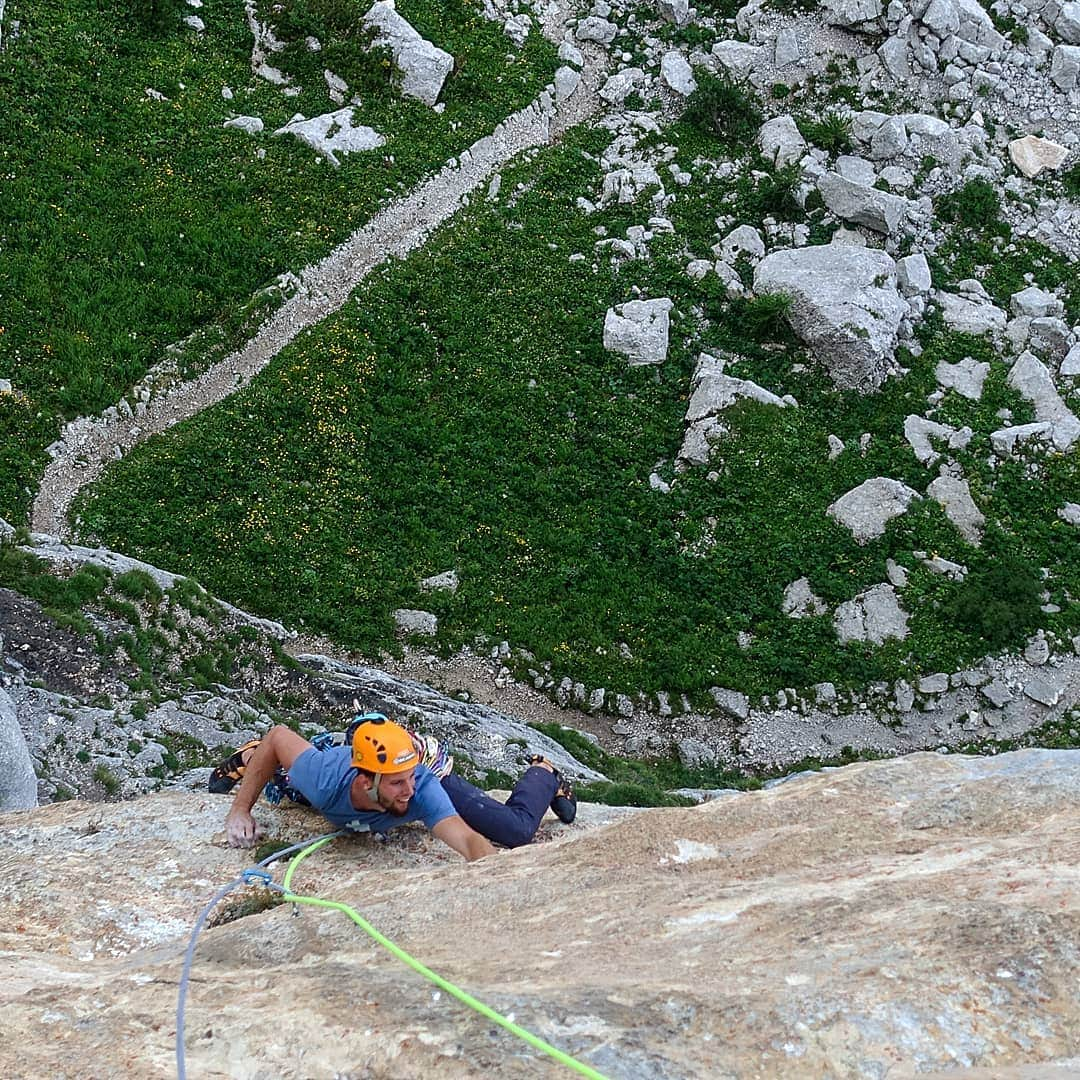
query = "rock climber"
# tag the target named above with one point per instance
(378, 775)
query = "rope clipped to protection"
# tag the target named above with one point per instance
(255, 875)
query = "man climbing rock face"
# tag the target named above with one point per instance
(378, 776)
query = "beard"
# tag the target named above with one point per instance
(392, 806)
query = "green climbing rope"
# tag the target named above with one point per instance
(395, 950)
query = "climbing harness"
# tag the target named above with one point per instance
(257, 875)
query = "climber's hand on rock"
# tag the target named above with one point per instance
(241, 830)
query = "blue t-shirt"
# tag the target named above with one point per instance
(326, 776)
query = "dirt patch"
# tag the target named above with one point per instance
(53, 656)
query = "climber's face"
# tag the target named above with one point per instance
(396, 790)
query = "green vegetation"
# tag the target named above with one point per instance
(104, 776)
(975, 207)
(138, 585)
(724, 108)
(63, 595)
(251, 901)
(634, 782)
(1016, 31)
(461, 410)
(438, 422)
(999, 599)
(831, 133)
(1070, 181)
(131, 222)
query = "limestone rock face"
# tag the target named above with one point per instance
(846, 307)
(903, 917)
(18, 783)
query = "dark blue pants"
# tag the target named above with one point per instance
(512, 823)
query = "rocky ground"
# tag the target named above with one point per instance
(108, 714)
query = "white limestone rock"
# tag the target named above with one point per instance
(918, 431)
(250, 125)
(1070, 514)
(517, 27)
(856, 169)
(1065, 66)
(970, 316)
(677, 74)
(868, 508)
(571, 54)
(333, 133)
(618, 86)
(742, 240)
(913, 275)
(780, 141)
(676, 12)
(954, 497)
(410, 621)
(800, 602)
(596, 29)
(567, 80)
(713, 392)
(786, 50)
(1030, 377)
(336, 86)
(1005, 441)
(860, 15)
(739, 58)
(1035, 303)
(966, 378)
(1067, 22)
(845, 307)
(638, 330)
(890, 140)
(1032, 154)
(447, 581)
(863, 205)
(874, 616)
(1070, 365)
(423, 66)
(18, 782)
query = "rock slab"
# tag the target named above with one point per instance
(935, 878)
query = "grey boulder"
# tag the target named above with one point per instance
(845, 307)
(18, 782)
(868, 508)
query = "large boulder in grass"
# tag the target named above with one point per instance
(423, 66)
(844, 306)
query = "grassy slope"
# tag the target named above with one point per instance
(129, 222)
(404, 437)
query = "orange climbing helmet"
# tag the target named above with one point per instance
(381, 746)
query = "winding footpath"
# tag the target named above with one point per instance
(87, 445)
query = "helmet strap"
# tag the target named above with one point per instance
(373, 791)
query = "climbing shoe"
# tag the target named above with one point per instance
(230, 772)
(564, 805)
